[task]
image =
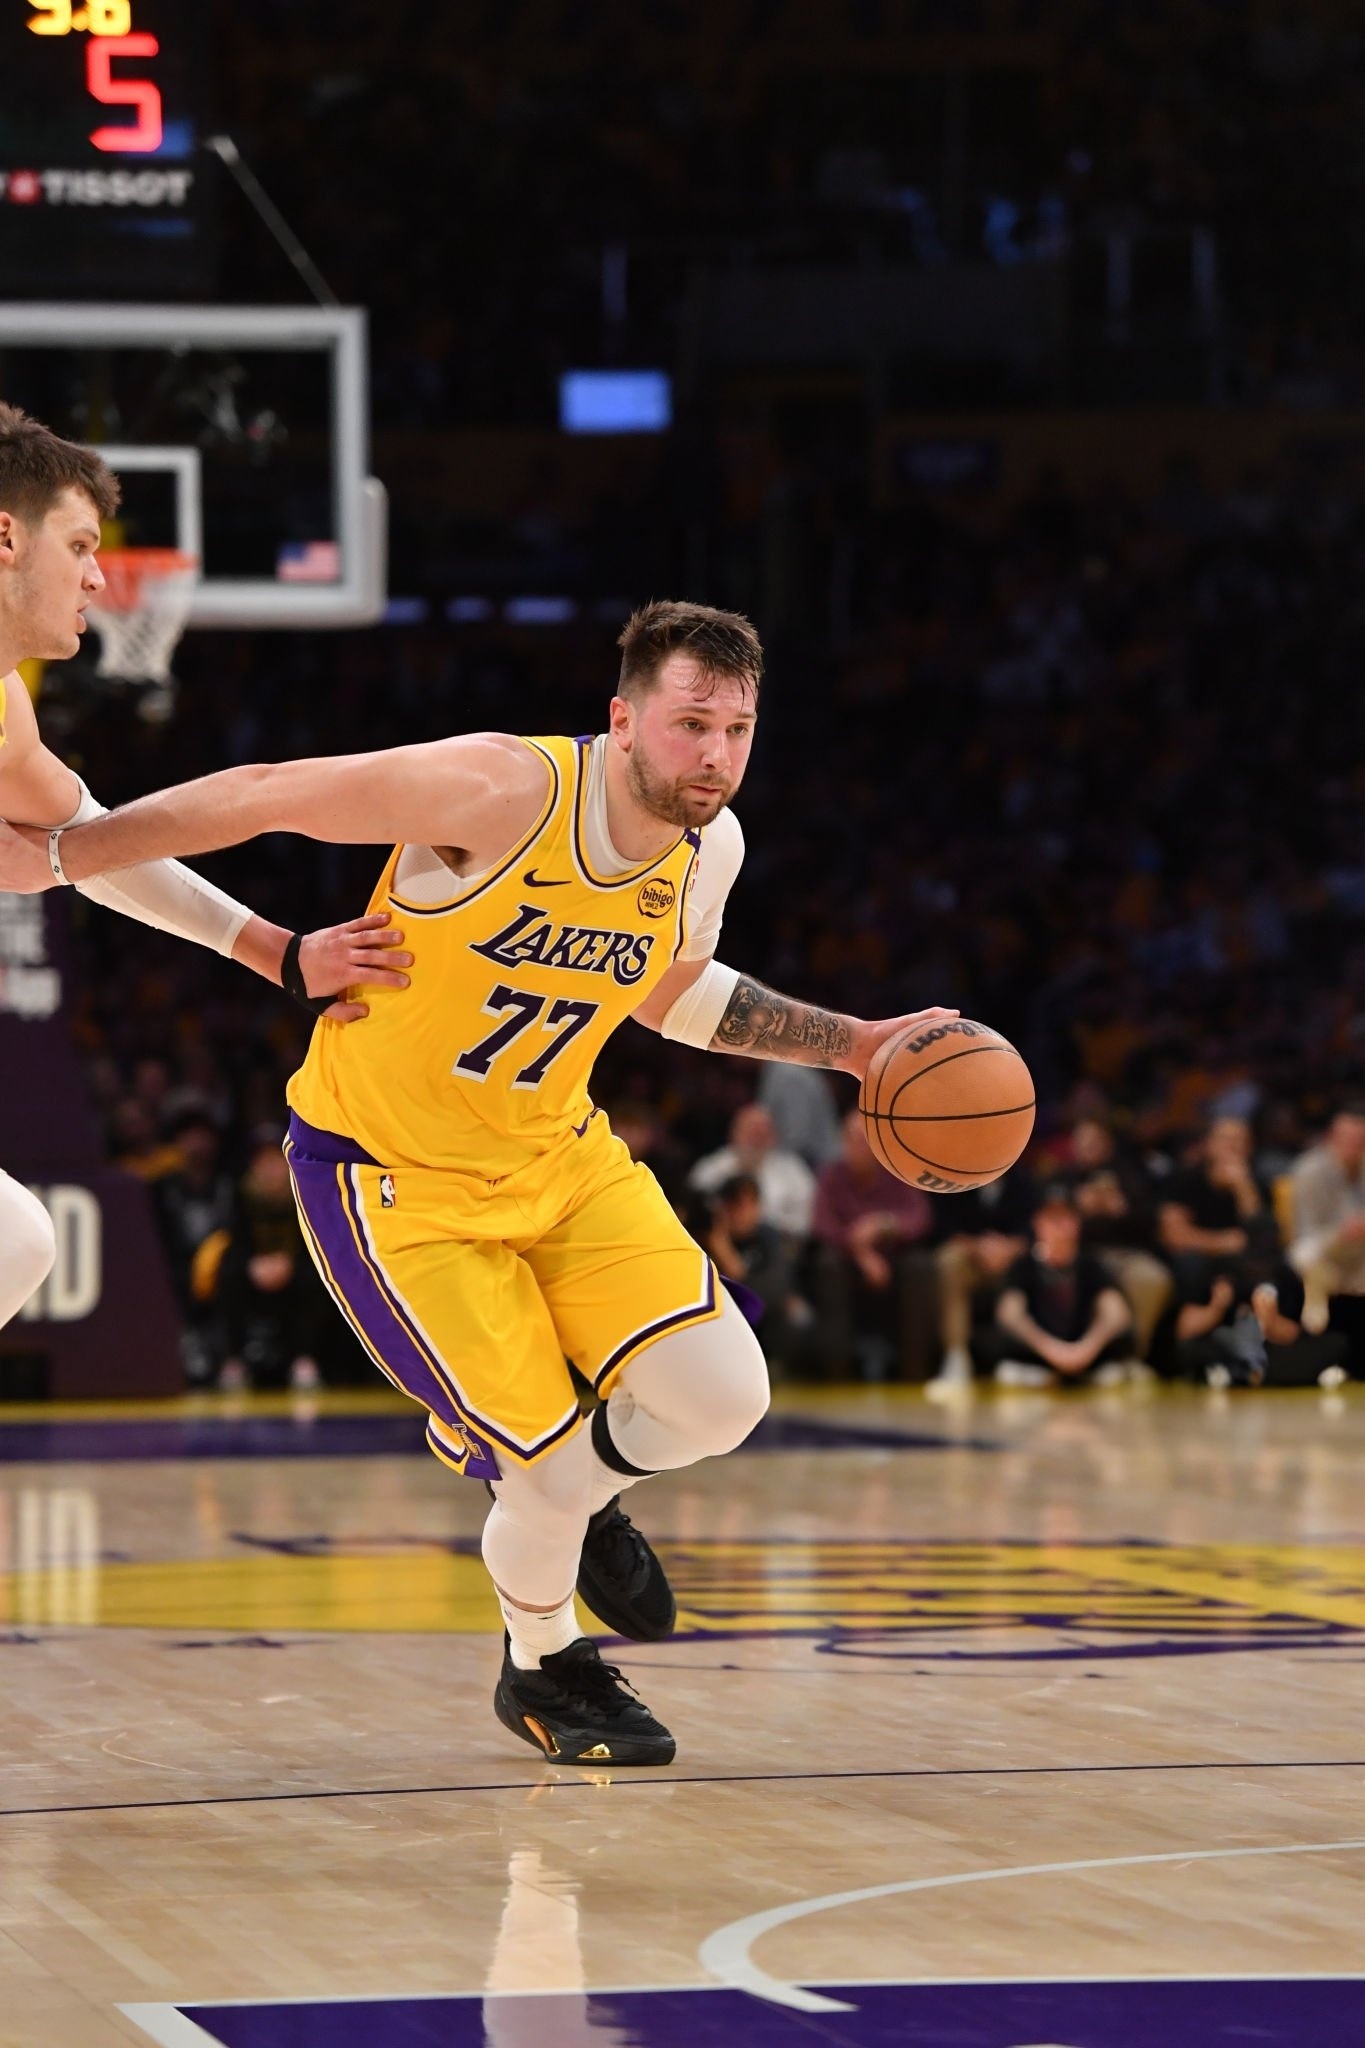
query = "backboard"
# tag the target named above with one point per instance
(241, 435)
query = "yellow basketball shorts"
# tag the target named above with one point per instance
(470, 1295)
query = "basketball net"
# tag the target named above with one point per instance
(142, 610)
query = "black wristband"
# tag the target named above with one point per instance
(291, 976)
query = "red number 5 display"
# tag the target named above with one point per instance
(144, 135)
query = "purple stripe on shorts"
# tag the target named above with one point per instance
(328, 1146)
(336, 1222)
(425, 1349)
(369, 1305)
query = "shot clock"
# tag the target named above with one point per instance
(102, 181)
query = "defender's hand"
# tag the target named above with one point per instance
(362, 950)
(867, 1037)
(24, 866)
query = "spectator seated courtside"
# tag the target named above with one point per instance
(1219, 1340)
(1117, 1204)
(875, 1295)
(1214, 1217)
(747, 1249)
(1326, 1202)
(196, 1211)
(1060, 1319)
(786, 1185)
(990, 1228)
(272, 1300)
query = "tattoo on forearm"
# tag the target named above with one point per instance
(768, 1026)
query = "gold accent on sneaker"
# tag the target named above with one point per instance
(599, 1749)
(543, 1736)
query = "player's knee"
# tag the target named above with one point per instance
(28, 1243)
(745, 1401)
(739, 1399)
(709, 1385)
(28, 1247)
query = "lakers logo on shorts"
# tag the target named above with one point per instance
(656, 898)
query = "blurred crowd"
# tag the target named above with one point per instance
(1088, 770)
(1233, 1258)
(561, 171)
(1086, 766)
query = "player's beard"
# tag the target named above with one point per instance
(672, 802)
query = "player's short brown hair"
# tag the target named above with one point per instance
(36, 466)
(721, 644)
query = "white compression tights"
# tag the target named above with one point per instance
(27, 1246)
(691, 1395)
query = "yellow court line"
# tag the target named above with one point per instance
(727, 1589)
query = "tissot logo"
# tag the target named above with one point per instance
(656, 898)
(96, 188)
(532, 939)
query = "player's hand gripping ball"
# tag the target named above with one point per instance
(947, 1106)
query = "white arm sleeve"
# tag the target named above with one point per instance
(693, 1019)
(163, 894)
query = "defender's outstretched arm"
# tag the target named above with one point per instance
(38, 790)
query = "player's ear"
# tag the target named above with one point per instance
(7, 535)
(621, 718)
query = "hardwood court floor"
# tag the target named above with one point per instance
(1068, 1687)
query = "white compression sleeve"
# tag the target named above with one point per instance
(694, 1018)
(164, 894)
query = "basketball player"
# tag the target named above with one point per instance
(53, 496)
(470, 1211)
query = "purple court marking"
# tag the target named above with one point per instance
(1271, 2012)
(366, 1436)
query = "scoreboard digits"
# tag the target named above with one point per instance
(99, 17)
(101, 187)
(109, 24)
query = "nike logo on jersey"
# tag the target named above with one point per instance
(534, 881)
(532, 939)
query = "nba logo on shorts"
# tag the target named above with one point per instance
(387, 1197)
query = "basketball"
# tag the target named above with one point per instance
(947, 1106)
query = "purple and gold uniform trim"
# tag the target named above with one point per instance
(495, 874)
(703, 1310)
(324, 1167)
(587, 872)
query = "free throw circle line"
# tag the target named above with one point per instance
(726, 1953)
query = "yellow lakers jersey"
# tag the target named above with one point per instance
(482, 1064)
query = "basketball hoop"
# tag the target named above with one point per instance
(142, 610)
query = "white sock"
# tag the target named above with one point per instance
(531, 1544)
(534, 1636)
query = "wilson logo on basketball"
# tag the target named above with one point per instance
(960, 1029)
(656, 899)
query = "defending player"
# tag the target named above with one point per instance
(53, 495)
(468, 1208)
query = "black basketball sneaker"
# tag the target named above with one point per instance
(578, 1710)
(621, 1579)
